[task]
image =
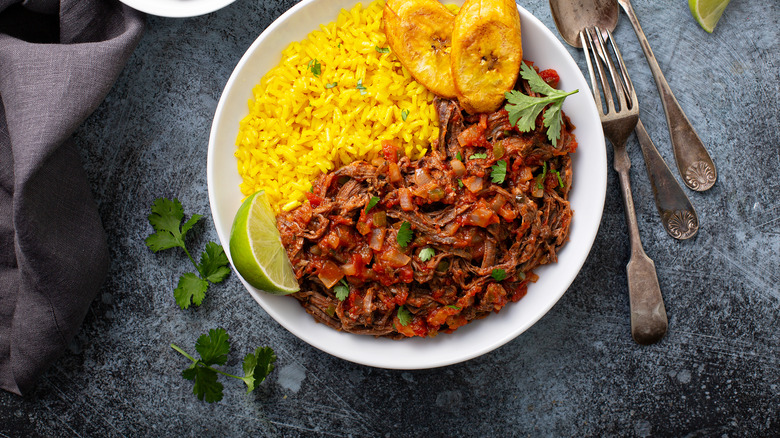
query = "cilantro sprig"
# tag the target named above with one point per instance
(341, 290)
(498, 274)
(371, 203)
(404, 316)
(426, 253)
(523, 109)
(498, 172)
(315, 67)
(213, 349)
(405, 234)
(166, 219)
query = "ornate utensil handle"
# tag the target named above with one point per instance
(693, 160)
(677, 214)
(648, 313)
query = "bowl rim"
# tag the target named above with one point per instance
(410, 358)
(177, 8)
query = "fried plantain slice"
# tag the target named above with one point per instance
(420, 34)
(486, 53)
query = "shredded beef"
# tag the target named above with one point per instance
(476, 238)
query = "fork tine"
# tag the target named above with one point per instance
(601, 49)
(584, 41)
(596, 56)
(627, 84)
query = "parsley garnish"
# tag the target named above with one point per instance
(404, 234)
(371, 203)
(213, 349)
(330, 85)
(315, 67)
(452, 306)
(404, 316)
(523, 109)
(382, 49)
(361, 87)
(498, 274)
(166, 220)
(478, 155)
(459, 157)
(460, 183)
(342, 290)
(498, 172)
(404, 114)
(426, 254)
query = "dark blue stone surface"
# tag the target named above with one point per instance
(577, 372)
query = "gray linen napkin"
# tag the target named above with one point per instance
(58, 60)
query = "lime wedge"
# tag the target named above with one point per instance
(707, 12)
(256, 248)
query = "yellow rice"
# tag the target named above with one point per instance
(300, 124)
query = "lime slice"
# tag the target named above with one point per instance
(707, 12)
(256, 248)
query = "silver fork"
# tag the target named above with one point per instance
(648, 314)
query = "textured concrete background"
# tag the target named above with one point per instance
(577, 372)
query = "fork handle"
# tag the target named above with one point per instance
(693, 160)
(648, 313)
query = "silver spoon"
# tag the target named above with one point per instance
(677, 214)
(693, 161)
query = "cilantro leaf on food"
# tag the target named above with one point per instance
(478, 155)
(523, 109)
(404, 114)
(498, 172)
(404, 316)
(213, 263)
(213, 349)
(426, 253)
(382, 49)
(371, 203)
(452, 306)
(459, 157)
(315, 67)
(166, 219)
(498, 274)
(190, 290)
(558, 175)
(460, 183)
(330, 85)
(257, 366)
(404, 234)
(361, 87)
(341, 290)
(540, 178)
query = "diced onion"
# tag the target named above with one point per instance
(393, 172)
(480, 216)
(421, 177)
(330, 274)
(458, 167)
(473, 183)
(405, 199)
(395, 258)
(349, 269)
(377, 239)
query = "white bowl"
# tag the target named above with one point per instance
(480, 336)
(177, 8)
